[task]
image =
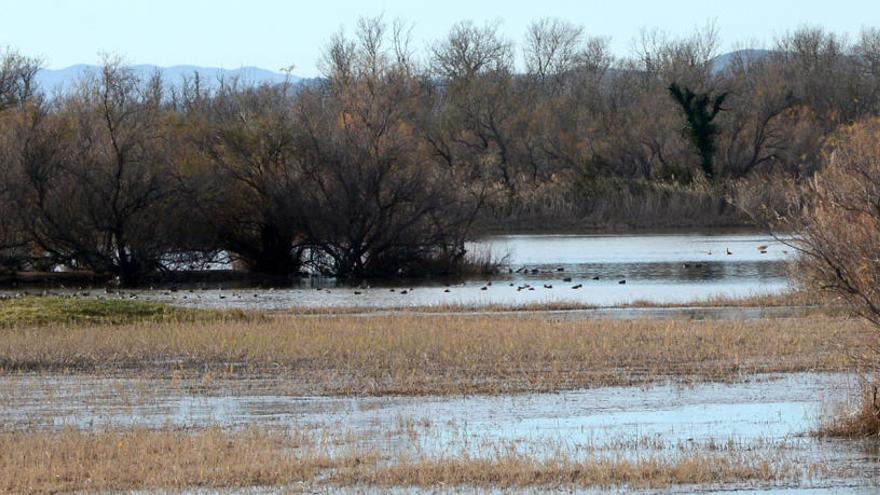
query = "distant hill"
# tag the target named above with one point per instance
(53, 80)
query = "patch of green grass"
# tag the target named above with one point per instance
(40, 311)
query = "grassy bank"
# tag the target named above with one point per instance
(54, 311)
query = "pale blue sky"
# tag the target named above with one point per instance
(274, 33)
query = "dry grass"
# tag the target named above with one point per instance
(149, 459)
(521, 472)
(442, 354)
(141, 459)
(858, 420)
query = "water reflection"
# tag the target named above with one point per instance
(591, 270)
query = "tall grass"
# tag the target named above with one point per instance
(858, 419)
(442, 354)
(170, 459)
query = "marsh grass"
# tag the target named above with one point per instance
(514, 471)
(172, 459)
(860, 418)
(72, 460)
(48, 311)
(440, 354)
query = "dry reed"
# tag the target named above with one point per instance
(169, 459)
(442, 354)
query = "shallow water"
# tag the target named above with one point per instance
(655, 268)
(772, 415)
(762, 407)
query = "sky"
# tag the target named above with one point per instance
(275, 34)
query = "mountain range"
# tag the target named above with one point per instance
(54, 80)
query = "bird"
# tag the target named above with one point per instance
(578, 286)
(560, 269)
(357, 293)
(404, 292)
(447, 290)
(762, 248)
(484, 288)
(567, 279)
(728, 251)
(548, 286)
(622, 282)
(596, 277)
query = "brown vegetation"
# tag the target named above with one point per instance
(142, 459)
(416, 355)
(860, 419)
(72, 460)
(508, 472)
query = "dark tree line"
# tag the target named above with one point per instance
(389, 162)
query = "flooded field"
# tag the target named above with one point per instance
(770, 415)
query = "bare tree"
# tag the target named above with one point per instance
(378, 206)
(836, 221)
(469, 51)
(19, 100)
(248, 186)
(103, 201)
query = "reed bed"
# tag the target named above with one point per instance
(440, 354)
(860, 418)
(72, 460)
(170, 459)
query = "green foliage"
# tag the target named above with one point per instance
(700, 110)
(40, 311)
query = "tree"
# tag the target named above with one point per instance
(248, 183)
(836, 220)
(19, 99)
(699, 111)
(378, 205)
(98, 175)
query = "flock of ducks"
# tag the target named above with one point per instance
(194, 293)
